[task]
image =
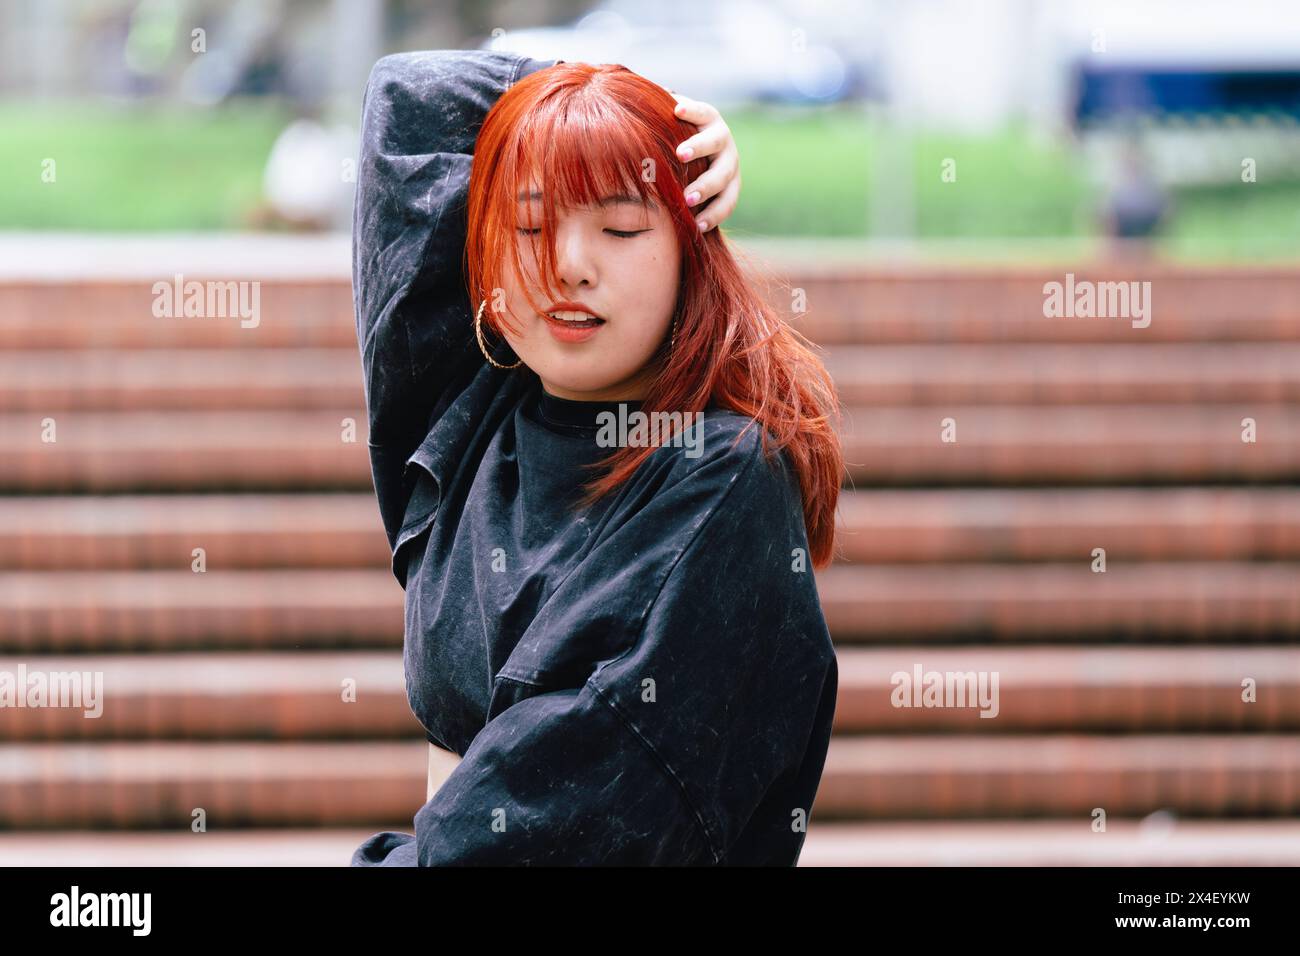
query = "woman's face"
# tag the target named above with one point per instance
(620, 261)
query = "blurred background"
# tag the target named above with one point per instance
(204, 534)
(844, 111)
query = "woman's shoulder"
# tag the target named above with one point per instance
(724, 448)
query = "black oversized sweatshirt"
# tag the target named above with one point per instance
(650, 681)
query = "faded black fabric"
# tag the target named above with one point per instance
(650, 681)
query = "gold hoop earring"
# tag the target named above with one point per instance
(478, 334)
(672, 341)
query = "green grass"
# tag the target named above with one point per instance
(801, 174)
(1255, 221)
(811, 173)
(814, 173)
(807, 173)
(132, 169)
(1008, 186)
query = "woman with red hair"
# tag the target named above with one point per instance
(606, 467)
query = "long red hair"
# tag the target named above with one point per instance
(594, 130)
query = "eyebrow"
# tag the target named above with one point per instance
(614, 200)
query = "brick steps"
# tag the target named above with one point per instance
(253, 450)
(160, 784)
(155, 784)
(923, 525)
(173, 610)
(111, 314)
(1155, 842)
(225, 690)
(1005, 304)
(310, 609)
(1074, 689)
(1060, 603)
(1066, 374)
(1071, 444)
(945, 525)
(294, 695)
(288, 695)
(919, 776)
(1158, 841)
(185, 451)
(844, 304)
(237, 531)
(877, 375)
(253, 847)
(180, 379)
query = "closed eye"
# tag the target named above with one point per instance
(621, 233)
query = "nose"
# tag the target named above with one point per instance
(574, 262)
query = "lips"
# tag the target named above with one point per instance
(572, 322)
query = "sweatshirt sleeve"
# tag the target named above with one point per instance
(421, 114)
(699, 743)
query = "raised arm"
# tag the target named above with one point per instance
(420, 117)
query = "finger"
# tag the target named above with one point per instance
(724, 205)
(695, 111)
(706, 142)
(713, 179)
(721, 208)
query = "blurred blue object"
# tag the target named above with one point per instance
(1201, 59)
(1105, 93)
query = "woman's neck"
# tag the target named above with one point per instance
(634, 389)
(581, 417)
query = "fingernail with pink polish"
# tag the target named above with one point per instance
(692, 198)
